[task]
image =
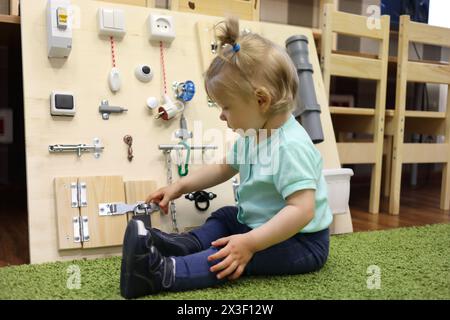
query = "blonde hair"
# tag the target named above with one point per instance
(257, 64)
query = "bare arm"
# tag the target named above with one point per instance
(207, 176)
(297, 213)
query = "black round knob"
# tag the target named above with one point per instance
(146, 69)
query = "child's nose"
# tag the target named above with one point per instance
(222, 117)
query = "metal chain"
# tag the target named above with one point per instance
(172, 208)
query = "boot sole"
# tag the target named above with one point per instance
(129, 249)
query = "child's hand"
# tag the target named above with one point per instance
(163, 196)
(236, 252)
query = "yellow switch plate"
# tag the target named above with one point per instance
(61, 18)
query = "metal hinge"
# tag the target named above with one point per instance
(80, 229)
(80, 223)
(79, 194)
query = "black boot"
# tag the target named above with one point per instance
(174, 244)
(144, 270)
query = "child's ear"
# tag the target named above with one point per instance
(264, 99)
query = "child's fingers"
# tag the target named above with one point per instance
(237, 273)
(164, 203)
(154, 197)
(222, 253)
(165, 209)
(221, 265)
(158, 200)
(220, 242)
(229, 270)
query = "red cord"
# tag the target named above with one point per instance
(163, 66)
(113, 55)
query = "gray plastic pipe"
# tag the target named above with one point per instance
(307, 107)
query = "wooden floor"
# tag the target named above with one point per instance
(419, 206)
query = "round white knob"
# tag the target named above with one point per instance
(144, 73)
(152, 102)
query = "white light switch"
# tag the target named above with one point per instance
(108, 18)
(119, 20)
(111, 22)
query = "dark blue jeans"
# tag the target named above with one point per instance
(301, 253)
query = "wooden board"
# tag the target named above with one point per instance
(9, 19)
(243, 9)
(104, 231)
(424, 33)
(136, 191)
(142, 3)
(85, 74)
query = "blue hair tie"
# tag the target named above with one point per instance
(236, 47)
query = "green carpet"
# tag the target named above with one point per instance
(414, 263)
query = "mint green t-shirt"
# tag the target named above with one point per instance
(286, 162)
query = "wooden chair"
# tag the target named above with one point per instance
(360, 120)
(425, 122)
